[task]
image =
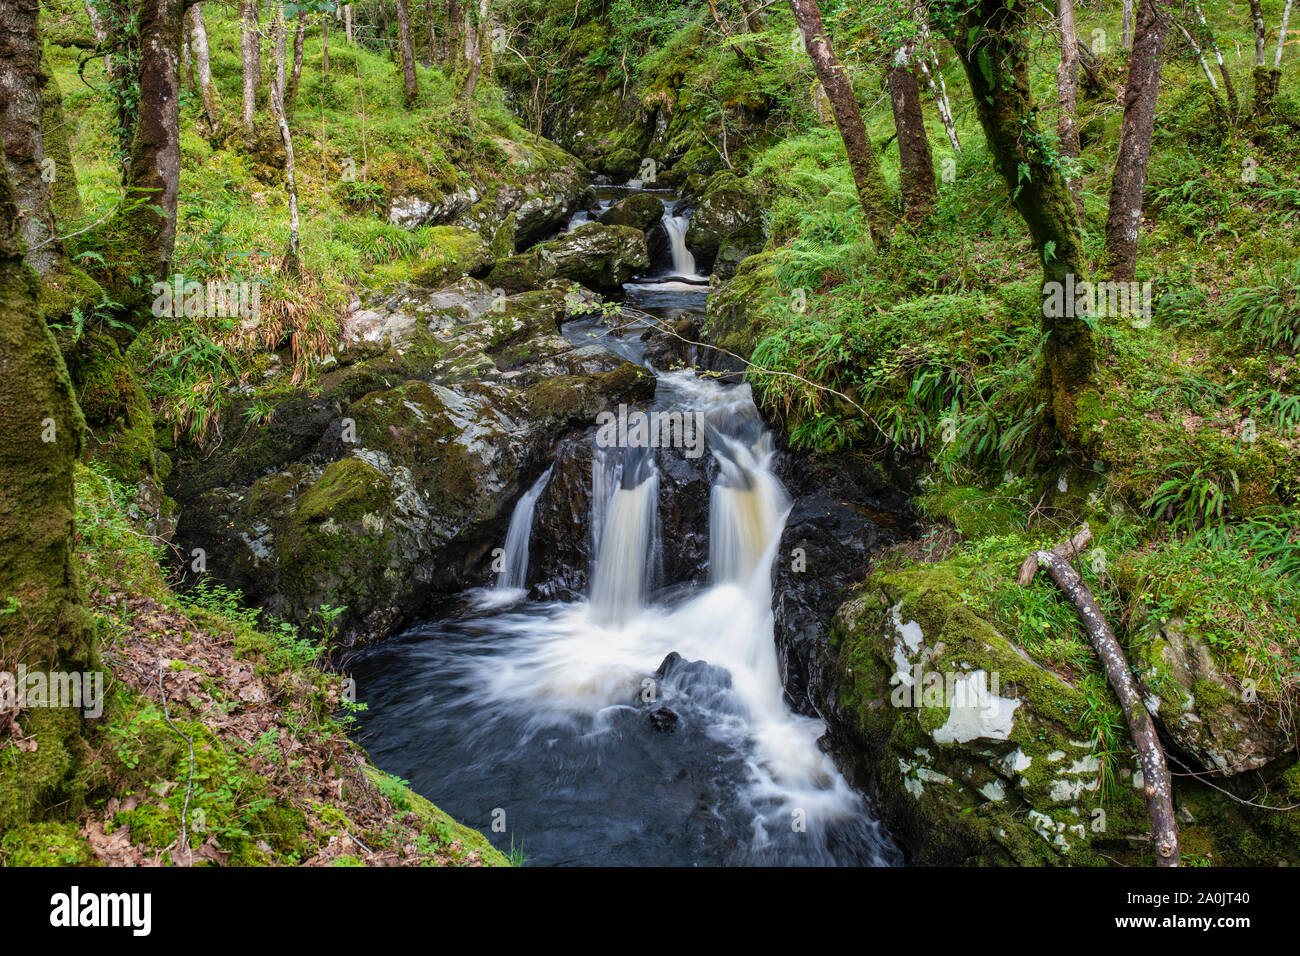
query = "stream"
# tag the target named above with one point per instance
(644, 724)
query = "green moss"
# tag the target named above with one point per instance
(45, 844)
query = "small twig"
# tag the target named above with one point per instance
(189, 789)
(1249, 803)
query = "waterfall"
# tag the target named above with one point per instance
(746, 514)
(683, 261)
(627, 521)
(514, 572)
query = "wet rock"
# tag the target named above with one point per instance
(600, 257)
(664, 720)
(842, 516)
(729, 203)
(640, 211)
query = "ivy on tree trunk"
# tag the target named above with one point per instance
(992, 42)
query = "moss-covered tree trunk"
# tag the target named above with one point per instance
(295, 75)
(1067, 91)
(992, 41)
(1124, 219)
(64, 194)
(916, 164)
(22, 80)
(451, 40)
(43, 625)
(872, 191)
(144, 230)
(405, 41)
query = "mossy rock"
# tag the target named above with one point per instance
(987, 759)
(640, 211)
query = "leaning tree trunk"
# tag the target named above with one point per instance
(915, 164)
(250, 56)
(872, 191)
(928, 61)
(48, 628)
(411, 90)
(992, 40)
(1124, 219)
(1156, 784)
(290, 263)
(203, 67)
(21, 88)
(1067, 86)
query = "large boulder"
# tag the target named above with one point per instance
(728, 204)
(600, 257)
(1216, 720)
(386, 488)
(595, 255)
(639, 210)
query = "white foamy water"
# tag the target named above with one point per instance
(579, 660)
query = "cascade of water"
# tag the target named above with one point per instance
(626, 498)
(514, 571)
(683, 261)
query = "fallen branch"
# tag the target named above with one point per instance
(1151, 756)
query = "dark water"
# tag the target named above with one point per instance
(559, 734)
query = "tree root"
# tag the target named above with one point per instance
(1155, 773)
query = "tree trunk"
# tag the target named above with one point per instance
(1126, 27)
(388, 29)
(991, 39)
(1230, 91)
(753, 16)
(915, 164)
(451, 39)
(1124, 219)
(723, 26)
(144, 229)
(203, 67)
(475, 28)
(412, 91)
(1067, 86)
(48, 629)
(1156, 784)
(431, 55)
(65, 198)
(325, 46)
(347, 23)
(250, 54)
(872, 191)
(1260, 75)
(928, 61)
(1275, 74)
(295, 76)
(22, 79)
(290, 262)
